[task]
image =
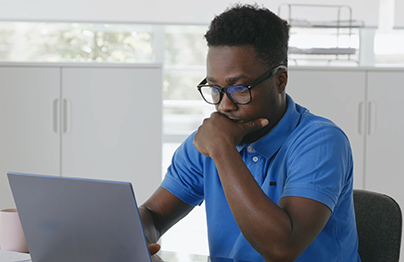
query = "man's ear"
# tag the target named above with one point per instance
(282, 80)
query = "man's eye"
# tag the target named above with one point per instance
(238, 89)
(214, 90)
(242, 89)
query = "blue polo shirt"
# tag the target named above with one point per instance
(303, 155)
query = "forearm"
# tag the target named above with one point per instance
(150, 231)
(264, 224)
(160, 212)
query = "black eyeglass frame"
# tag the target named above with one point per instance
(222, 90)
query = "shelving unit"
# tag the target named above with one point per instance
(341, 26)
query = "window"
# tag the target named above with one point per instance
(184, 67)
(388, 48)
(73, 42)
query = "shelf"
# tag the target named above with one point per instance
(341, 26)
(326, 24)
(322, 51)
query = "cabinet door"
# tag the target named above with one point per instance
(339, 96)
(29, 135)
(385, 140)
(112, 122)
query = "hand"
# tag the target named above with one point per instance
(153, 248)
(218, 130)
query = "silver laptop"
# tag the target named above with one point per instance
(81, 220)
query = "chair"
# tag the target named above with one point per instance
(379, 225)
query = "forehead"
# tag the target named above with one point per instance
(232, 61)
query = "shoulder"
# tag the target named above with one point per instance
(315, 127)
(316, 137)
(318, 160)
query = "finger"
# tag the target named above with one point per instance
(255, 125)
(154, 248)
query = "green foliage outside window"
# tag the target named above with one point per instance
(72, 42)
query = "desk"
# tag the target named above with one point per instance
(9, 256)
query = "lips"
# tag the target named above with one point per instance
(234, 119)
(238, 121)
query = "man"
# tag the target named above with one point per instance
(276, 180)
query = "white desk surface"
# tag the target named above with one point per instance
(9, 256)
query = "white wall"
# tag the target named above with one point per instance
(399, 10)
(154, 11)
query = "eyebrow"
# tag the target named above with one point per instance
(230, 80)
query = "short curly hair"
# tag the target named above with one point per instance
(252, 26)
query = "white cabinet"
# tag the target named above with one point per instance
(112, 124)
(99, 122)
(385, 136)
(339, 95)
(27, 140)
(365, 103)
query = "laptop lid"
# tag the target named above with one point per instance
(72, 219)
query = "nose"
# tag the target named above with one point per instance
(226, 105)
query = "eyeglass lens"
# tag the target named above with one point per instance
(238, 93)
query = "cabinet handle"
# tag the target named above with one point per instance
(361, 118)
(371, 118)
(66, 115)
(55, 120)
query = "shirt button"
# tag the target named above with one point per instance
(250, 149)
(255, 159)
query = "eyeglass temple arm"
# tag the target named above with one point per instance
(203, 82)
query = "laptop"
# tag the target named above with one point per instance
(81, 220)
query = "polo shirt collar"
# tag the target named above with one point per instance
(268, 145)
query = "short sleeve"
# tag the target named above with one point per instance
(184, 177)
(319, 164)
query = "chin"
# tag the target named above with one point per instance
(254, 136)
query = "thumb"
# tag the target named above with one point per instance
(153, 248)
(255, 125)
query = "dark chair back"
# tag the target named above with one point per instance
(379, 224)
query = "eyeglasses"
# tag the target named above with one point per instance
(238, 94)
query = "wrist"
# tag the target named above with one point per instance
(222, 151)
